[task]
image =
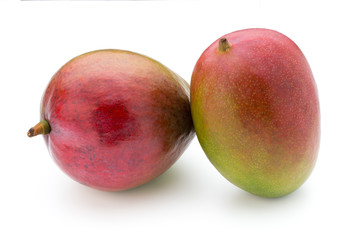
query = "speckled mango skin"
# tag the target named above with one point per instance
(256, 111)
(118, 119)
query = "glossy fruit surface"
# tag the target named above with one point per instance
(256, 111)
(118, 119)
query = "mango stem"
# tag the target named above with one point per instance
(42, 127)
(224, 45)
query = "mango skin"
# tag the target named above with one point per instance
(118, 119)
(256, 111)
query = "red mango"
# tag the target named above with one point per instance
(114, 120)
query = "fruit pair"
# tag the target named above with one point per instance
(114, 119)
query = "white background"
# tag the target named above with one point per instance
(191, 200)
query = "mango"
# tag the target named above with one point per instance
(255, 108)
